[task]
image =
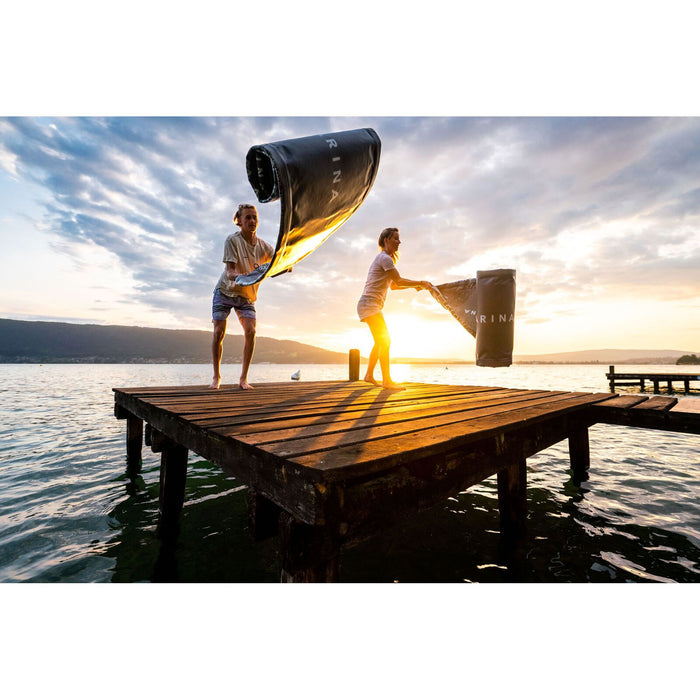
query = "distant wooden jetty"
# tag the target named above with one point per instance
(656, 378)
(329, 464)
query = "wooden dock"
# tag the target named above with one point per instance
(331, 463)
(656, 378)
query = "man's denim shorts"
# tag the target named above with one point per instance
(222, 304)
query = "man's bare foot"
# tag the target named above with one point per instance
(371, 380)
(244, 385)
(393, 386)
(215, 383)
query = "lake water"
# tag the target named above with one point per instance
(70, 513)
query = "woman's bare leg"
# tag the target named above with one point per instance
(382, 343)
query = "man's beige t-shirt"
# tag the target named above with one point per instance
(246, 258)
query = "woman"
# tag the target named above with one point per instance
(382, 275)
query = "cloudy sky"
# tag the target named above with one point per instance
(122, 221)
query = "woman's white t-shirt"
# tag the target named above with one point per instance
(378, 279)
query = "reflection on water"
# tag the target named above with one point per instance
(70, 512)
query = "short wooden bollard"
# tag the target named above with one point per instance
(354, 365)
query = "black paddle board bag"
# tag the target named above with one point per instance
(485, 306)
(320, 181)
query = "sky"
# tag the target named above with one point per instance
(117, 220)
(528, 136)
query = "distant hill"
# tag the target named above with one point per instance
(47, 342)
(607, 357)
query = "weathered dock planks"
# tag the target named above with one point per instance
(331, 463)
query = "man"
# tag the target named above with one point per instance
(243, 252)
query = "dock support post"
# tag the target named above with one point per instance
(354, 365)
(134, 436)
(173, 474)
(612, 379)
(512, 498)
(263, 516)
(308, 553)
(656, 386)
(134, 440)
(579, 452)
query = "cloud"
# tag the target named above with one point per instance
(589, 204)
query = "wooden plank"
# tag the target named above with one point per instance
(264, 405)
(681, 418)
(371, 431)
(624, 402)
(689, 406)
(292, 427)
(656, 403)
(663, 376)
(365, 457)
(304, 410)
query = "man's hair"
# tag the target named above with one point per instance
(239, 211)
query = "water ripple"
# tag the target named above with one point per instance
(70, 512)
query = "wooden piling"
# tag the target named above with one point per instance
(579, 452)
(134, 441)
(173, 474)
(512, 499)
(134, 436)
(308, 553)
(263, 516)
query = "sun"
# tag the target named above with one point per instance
(416, 337)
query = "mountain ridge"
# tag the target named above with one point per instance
(59, 342)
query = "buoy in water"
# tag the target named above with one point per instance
(297, 375)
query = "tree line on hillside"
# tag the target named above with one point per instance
(688, 360)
